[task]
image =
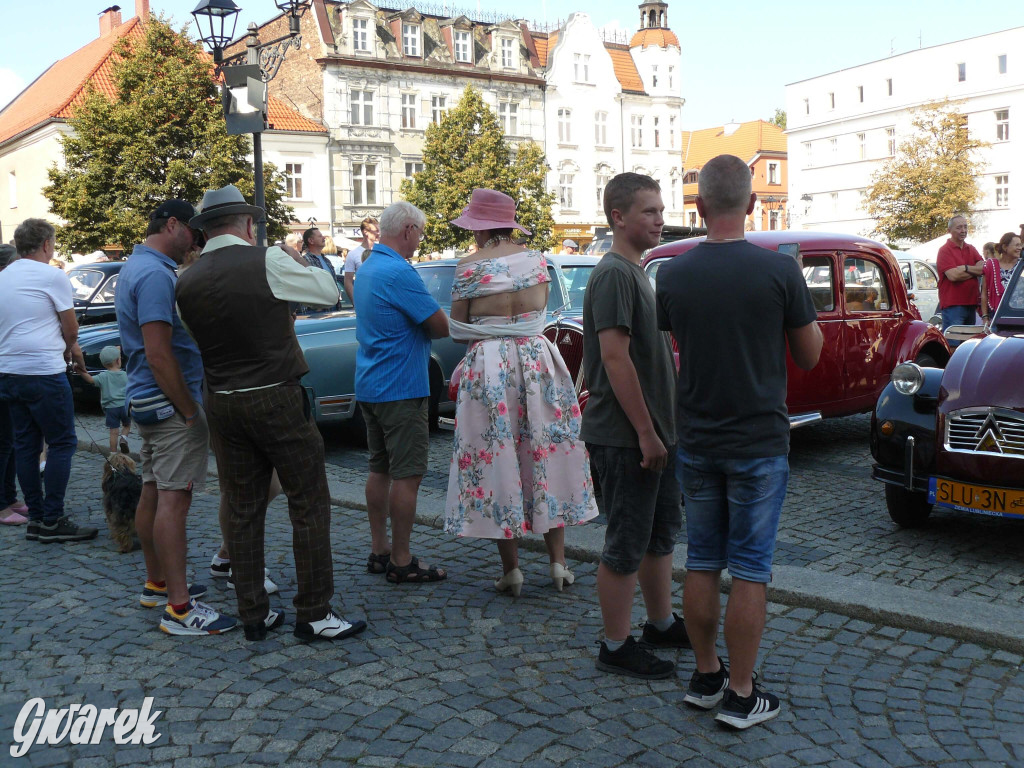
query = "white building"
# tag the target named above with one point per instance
(844, 125)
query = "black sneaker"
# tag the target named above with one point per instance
(65, 529)
(673, 637)
(634, 661)
(707, 688)
(741, 713)
(32, 531)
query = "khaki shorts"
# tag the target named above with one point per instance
(398, 437)
(175, 456)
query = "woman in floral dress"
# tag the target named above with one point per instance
(518, 464)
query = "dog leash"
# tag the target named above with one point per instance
(106, 457)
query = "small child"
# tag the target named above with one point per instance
(112, 383)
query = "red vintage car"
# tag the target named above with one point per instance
(954, 438)
(869, 323)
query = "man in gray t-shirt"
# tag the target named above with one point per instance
(629, 428)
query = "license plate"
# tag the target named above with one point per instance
(980, 499)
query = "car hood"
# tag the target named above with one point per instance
(89, 335)
(985, 371)
(322, 323)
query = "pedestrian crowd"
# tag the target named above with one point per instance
(212, 361)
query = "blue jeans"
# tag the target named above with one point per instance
(958, 315)
(8, 490)
(732, 512)
(41, 409)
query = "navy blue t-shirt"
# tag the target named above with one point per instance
(728, 306)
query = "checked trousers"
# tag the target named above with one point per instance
(254, 433)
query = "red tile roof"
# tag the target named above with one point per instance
(625, 68)
(654, 37)
(56, 92)
(745, 142)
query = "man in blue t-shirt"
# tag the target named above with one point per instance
(732, 307)
(165, 374)
(396, 317)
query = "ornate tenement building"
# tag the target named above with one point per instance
(376, 75)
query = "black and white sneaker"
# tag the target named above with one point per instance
(707, 688)
(330, 627)
(259, 630)
(741, 713)
(633, 660)
(220, 568)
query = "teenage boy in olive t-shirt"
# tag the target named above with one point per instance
(629, 428)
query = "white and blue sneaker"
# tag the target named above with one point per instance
(199, 619)
(152, 595)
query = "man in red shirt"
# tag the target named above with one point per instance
(959, 265)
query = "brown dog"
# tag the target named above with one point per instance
(122, 487)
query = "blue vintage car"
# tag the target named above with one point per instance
(328, 340)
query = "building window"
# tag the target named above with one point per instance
(674, 186)
(862, 146)
(860, 93)
(508, 52)
(657, 134)
(654, 75)
(360, 34)
(808, 155)
(603, 177)
(890, 137)
(835, 202)
(1002, 125)
(773, 220)
(438, 106)
(12, 189)
(773, 173)
(832, 100)
(411, 39)
(508, 113)
(565, 182)
(293, 181)
(462, 47)
(691, 177)
(636, 123)
(1003, 191)
(408, 110)
(888, 85)
(1002, 64)
(412, 168)
(671, 77)
(961, 71)
(807, 106)
(601, 129)
(362, 107)
(581, 67)
(364, 184)
(564, 126)
(672, 132)
(834, 146)
(693, 218)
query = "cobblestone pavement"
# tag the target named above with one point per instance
(454, 674)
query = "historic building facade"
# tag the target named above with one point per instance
(843, 126)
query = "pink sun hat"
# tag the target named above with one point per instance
(489, 209)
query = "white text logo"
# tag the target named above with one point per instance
(82, 725)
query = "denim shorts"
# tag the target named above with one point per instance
(732, 512)
(117, 416)
(642, 507)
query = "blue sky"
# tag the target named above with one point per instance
(737, 55)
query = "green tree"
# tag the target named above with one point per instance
(467, 149)
(932, 176)
(780, 118)
(161, 136)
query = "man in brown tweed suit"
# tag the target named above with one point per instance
(234, 301)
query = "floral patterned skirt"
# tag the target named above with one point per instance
(518, 463)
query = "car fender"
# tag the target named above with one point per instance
(919, 337)
(910, 416)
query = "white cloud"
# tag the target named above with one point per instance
(10, 86)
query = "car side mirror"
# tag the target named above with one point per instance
(911, 296)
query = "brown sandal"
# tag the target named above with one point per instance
(412, 573)
(378, 563)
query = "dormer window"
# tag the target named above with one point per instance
(360, 34)
(463, 47)
(508, 53)
(410, 39)
(581, 67)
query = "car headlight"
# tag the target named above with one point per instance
(908, 378)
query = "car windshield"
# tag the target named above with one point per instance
(438, 281)
(576, 281)
(1014, 298)
(84, 282)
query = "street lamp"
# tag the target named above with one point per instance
(244, 91)
(770, 204)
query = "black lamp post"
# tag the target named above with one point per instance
(248, 74)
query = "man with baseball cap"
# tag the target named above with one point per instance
(165, 373)
(235, 302)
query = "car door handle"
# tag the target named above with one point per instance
(897, 314)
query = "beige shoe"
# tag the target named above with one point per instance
(561, 575)
(513, 580)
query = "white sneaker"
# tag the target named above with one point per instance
(200, 619)
(330, 627)
(268, 585)
(259, 631)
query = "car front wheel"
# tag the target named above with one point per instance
(908, 509)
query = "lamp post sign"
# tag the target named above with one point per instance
(244, 99)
